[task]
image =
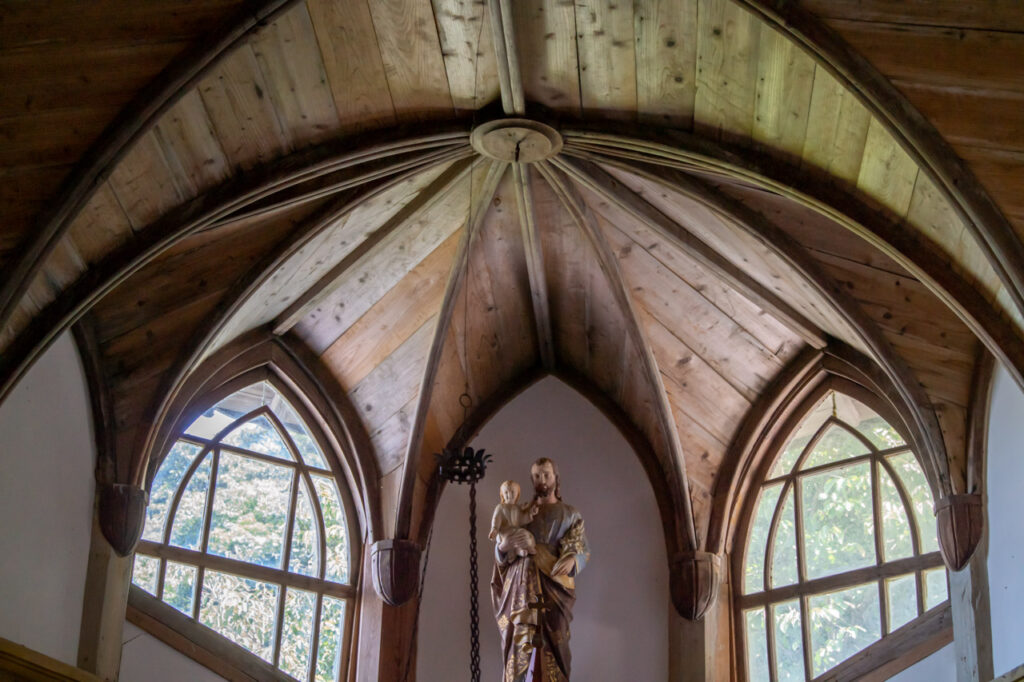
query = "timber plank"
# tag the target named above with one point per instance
(1002, 173)
(837, 128)
(381, 268)
(785, 79)
(52, 137)
(101, 226)
(192, 151)
(887, 173)
(145, 185)
(727, 49)
(607, 57)
(292, 65)
(546, 37)
(666, 61)
(352, 62)
(236, 95)
(393, 319)
(411, 54)
(394, 382)
(994, 14)
(467, 45)
(983, 118)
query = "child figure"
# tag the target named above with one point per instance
(509, 515)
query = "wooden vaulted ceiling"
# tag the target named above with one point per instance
(737, 184)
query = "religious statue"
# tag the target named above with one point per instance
(533, 587)
(509, 515)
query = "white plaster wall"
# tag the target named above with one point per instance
(620, 625)
(47, 457)
(1005, 478)
(145, 658)
(939, 667)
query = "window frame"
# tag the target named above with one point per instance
(766, 597)
(202, 643)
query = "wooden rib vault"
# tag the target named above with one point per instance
(677, 206)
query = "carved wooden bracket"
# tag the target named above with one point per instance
(395, 565)
(122, 513)
(694, 581)
(961, 520)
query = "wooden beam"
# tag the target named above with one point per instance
(134, 121)
(915, 134)
(107, 579)
(478, 211)
(598, 180)
(377, 160)
(579, 211)
(18, 662)
(535, 265)
(895, 367)
(426, 198)
(510, 78)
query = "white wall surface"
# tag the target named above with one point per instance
(145, 658)
(1005, 478)
(620, 621)
(47, 457)
(939, 667)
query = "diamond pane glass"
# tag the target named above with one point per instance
(242, 610)
(332, 626)
(784, 569)
(337, 532)
(835, 445)
(180, 586)
(757, 646)
(305, 540)
(187, 525)
(843, 623)
(166, 482)
(259, 435)
(753, 576)
(935, 588)
(297, 633)
(910, 473)
(902, 594)
(897, 542)
(838, 520)
(250, 510)
(144, 572)
(789, 642)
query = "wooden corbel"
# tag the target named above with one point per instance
(694, 581)
(122, 514)
(961, 521)
(395, 565)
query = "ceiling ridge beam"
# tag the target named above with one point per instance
(510, 78)
(410, 471)
(366, 164)
(598, 180)
(426, 198)
(779, 242)
(535, 264)
(606, 258)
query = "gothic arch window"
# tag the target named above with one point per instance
(839, 545)
(248, 532)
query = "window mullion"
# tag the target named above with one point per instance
(769, 632)
(805, 633)
(315, 645)
(286, 558)
(205, 544)
(876, 513)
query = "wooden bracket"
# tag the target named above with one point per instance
(395, 567)
(694, 578)
(122, 514)
(961, 521)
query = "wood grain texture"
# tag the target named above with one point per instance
(546, 36)
(785, 80)
(666, 61)
(467, 45)
(727, 49)
(607, 57)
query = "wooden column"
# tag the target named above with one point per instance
(107, 580)
(972, 618)
(697, 650)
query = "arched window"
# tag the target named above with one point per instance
(247, 531)
(840, 548)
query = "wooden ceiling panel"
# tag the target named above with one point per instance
(782, 99)
(605, 46)
(666, 61)
(362, 285)
(393, 319)
(467, 44)
(546, 37)
(992, 14)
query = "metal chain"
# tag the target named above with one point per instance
(474, 606)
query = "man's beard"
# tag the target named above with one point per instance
(542, 489)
